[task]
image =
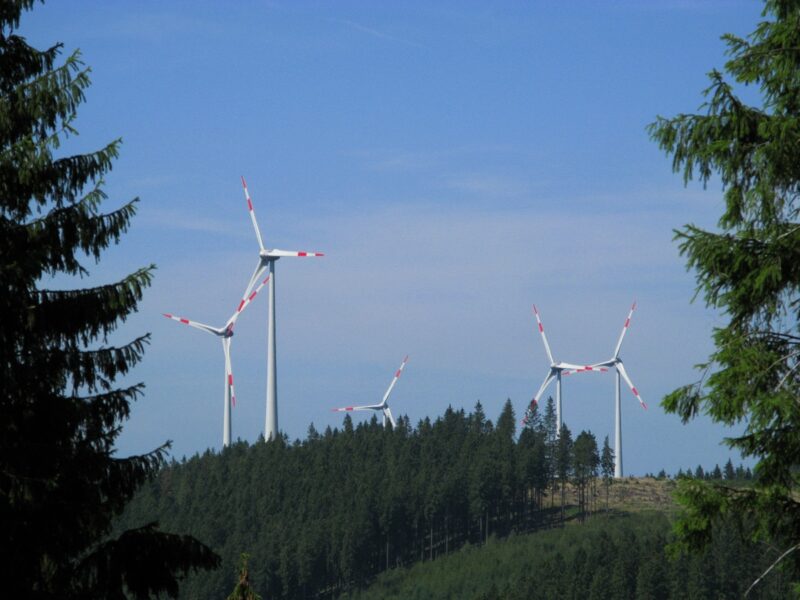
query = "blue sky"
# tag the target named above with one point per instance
(455, 161)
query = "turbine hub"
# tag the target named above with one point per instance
(265, 255)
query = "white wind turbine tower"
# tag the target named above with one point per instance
(384, 404)
(225, 334)
(555, 372)
(616, 362)
(266, 261)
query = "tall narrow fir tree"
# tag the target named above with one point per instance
(61, 484)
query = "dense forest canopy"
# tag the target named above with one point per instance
(327, 514)
(618, 557)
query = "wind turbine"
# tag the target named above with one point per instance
(266, 261)
(384, 404)
(225, 334)
(616, 362)
(555, 372)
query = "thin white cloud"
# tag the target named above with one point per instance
(488, 185)
(166, 218)
(682, 5)
(421, 160)
(375, 33)
(151, 26)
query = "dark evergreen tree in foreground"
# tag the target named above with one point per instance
(748, 269)
(60, 483)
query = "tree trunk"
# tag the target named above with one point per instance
(446, 538)
(431, 550)
(487, 525)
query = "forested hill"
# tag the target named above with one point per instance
(615, 557)
(328, 514)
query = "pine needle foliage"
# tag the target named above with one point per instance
(61, 484)
(749, 270)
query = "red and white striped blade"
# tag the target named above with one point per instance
(252, 214)
(195, 324)
(245, 302)
(352, 408)
(586, 369)
(544, 337)
(278, 253)
(538, 396)
(624, 329)
(621, 369)
(531, 404)
(394, 380)
(229, 370)
(261, 267)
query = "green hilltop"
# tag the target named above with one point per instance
(346, 509)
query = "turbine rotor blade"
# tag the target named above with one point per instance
(252, 214)
(587, 369)
(195, 324)
(544, 337)
(572, 367)
(245, 302)
(624, 329)
(257, 272)
(394, 381)
(353, 408)
(279, 253)
(538, 396)
(388, 413)
(621, 369)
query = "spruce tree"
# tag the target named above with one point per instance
(607, 466)
(61, 484)
(585, 464)
(564, 460)
(749, 270)
(549, 420)
(532, 418)
(730, 472)
(550, 426)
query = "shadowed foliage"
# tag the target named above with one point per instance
(61, 484)
(748, 269)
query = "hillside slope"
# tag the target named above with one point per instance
(607, 558)
(328, 514)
